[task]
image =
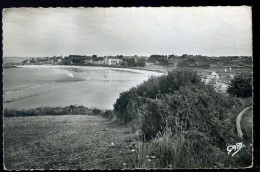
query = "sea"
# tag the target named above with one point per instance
(32, 86)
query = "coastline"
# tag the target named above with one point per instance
(132, 69)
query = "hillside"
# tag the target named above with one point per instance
(203, 61)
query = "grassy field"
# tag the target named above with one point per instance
(77, 142)
(65, 142)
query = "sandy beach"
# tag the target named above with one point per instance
(141, 70)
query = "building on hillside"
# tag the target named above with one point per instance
(112, 61)
(212, 78)
(226, 79)
(88, 61)
(54, 61)
(214, 75)
(116, 61)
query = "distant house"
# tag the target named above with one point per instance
(116, 61)
(112, 61)
(226, 79)
(98, 61)
(214, 75)
(54, 61)
(88, 60)
(107, 61)
(212, 78)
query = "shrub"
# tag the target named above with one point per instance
(182, 123)
(241, 86)
(96, 111)
(127, 104)
(125, 108)
(191, 107)
(108, 114)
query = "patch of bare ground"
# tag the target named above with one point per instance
(65, 142)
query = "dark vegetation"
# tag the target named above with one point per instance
(108, 114)
(140, 62)
(42, 111)
(183, 122)
(241, 86)
(159, 59)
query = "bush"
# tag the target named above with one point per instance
(241, 86)
(108, 114)
(192, 106)
(127, 104)
(182, 121)
(96, 111)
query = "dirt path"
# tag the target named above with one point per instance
(65, 142)
(247, 125)
(246, 120)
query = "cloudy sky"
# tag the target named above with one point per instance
(213, 31)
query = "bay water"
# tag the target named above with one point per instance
(40, 86)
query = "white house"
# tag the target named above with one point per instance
(112, 61)
(214, 75)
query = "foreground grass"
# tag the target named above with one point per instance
(65, 142)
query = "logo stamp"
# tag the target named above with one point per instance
(235, 148)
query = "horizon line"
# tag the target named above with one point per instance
(134, 55)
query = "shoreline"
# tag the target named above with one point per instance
(137, 70)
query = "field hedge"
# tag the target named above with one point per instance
(42, 111)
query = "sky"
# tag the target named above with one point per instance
(211, 31)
